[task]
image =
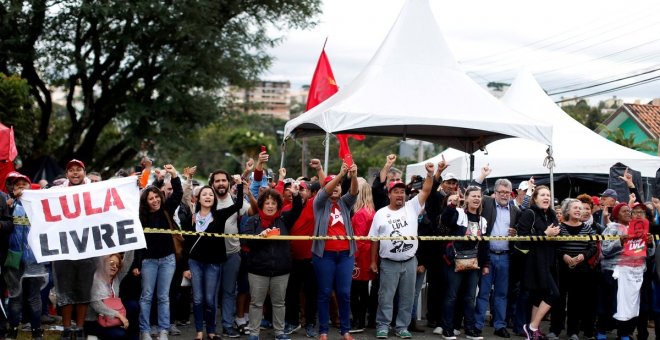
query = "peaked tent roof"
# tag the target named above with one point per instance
(576, 149)
(413, 87)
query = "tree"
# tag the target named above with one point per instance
(585, 114)
(619, 136)
(16, 108)
(136, 70)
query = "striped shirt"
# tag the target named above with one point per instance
(574, 248)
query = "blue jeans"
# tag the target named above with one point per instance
(419, 282)
(334, 270)
(229, 277)
(156, 275)
(205, 284)
(396, 277)
(498, 276)
(468, 279)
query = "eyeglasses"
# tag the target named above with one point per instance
(503, 192)
(114, 264)
(638, 212)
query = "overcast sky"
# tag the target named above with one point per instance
(565, 44)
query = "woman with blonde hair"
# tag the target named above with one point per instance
(363, 216)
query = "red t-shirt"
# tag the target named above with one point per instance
(304, 225)
(336, 228)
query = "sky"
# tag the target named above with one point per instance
(567, 45)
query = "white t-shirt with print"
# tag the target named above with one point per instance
(232, 245)
(401, 222)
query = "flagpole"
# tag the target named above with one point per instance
(327, 151)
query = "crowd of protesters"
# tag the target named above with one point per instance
(587, 288)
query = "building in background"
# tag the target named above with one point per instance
(642, 121)
(264, 98)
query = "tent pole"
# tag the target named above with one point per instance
(471, 167)
(327, 151)
(550, 163)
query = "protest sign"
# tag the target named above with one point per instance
(90, 220)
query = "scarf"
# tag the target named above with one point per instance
(268, 220)
(201, 223)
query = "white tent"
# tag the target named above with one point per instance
(413, 88)
(577, 150)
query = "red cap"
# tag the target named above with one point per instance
(328, 179)
(637, 204)
(14, 175)
(595, 200)
(395, 184)
(75, 162)
(303, 184)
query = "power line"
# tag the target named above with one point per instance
(622, 87)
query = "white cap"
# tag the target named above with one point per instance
(449, 176)
(524, 185)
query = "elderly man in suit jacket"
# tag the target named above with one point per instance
(501, 215)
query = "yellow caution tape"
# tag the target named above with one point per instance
(21, 220)
(583, 238)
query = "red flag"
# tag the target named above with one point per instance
(323, 83)
(323, 86)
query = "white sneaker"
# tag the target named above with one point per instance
(552, 336)
(163, 335)
(437, 330)
(457, 332)
(145, 336)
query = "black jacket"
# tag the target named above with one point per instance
(271, 257)
(210, 249)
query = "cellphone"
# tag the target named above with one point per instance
(263, 148)
(609, 209)
(348, 159)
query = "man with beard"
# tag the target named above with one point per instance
(73, 278)
(220, 181)
(398, 264)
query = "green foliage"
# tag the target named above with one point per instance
(16, 110)
(585, 114)
(136, 70)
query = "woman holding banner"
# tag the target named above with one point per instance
(24, 276)
(157, 263)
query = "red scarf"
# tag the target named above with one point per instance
(267, 220)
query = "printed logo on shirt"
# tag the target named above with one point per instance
(398, 246)
(473, 229)
(336, 217)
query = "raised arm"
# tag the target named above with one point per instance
(428, 183)
(389, 162)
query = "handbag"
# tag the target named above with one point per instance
(465, 260)
(177, 238)
(115, 304)
(14, 257)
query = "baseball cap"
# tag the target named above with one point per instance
(75, 162)
(637, 204)
(14, 175)
(395, 184)
(328, 179)
(609, 193)
(524, 185)
(449, 176)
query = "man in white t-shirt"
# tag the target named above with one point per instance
(220, 180)
(398, 265)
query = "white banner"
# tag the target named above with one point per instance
(82, 221)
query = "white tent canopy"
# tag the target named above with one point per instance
(577, 149)
(413, 88)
